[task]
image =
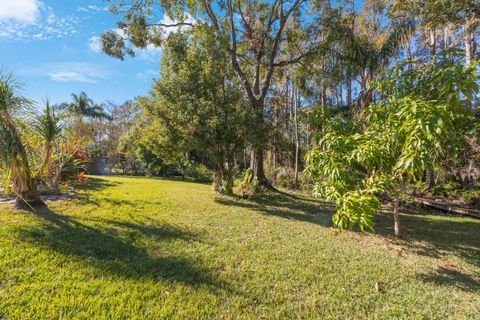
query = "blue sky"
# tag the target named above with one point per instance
(52, 47)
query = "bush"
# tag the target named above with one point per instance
(285, 177)
(198, 172)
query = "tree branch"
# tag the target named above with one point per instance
(276, 44)
(178, 24)
(233, 54)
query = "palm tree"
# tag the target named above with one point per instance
(13, 154)
(48, 126)
(366, 59)
(82, 107)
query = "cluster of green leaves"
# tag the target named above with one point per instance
(13, 154)
(48, 125)
(24, 133)
(420, 119)
(196, 104)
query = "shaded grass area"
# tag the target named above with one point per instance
(138, 248)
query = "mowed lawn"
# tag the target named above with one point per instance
(140, 248)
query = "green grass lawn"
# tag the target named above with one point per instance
(139, 248)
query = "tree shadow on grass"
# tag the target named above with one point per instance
(97, 184)
(422, 234)
(452, 277)
(437, 236)
(112, 252)
(282, 205)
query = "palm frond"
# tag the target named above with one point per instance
(12, 151)
(11, 98)
(47, 125)
(83, 106)
(400, 34)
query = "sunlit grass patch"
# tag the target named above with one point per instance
(139, 248)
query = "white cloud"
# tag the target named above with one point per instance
(51, 18)
(23, 11)
(38, 36)
(69, 71)
(97, 8)
(70, 76)
(92, 8)
(45, 23)
(147, 75)
(95, 44)
(74, 72)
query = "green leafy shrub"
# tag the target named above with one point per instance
(198, 172)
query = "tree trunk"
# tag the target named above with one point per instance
(244, 159)
(430, 178)
(134, 166)
(274, 153)
(227, 177)
(396, 215)
(258, 146)
(21, 177)
(324, 96)
(432, 43)
(339, 97)
(467, 39)
(396, 208)
(24, 186)
(349, 92)
(217, 178)
(45, 170)
(297, 143)
(445, 38)
(408, 48)
(256, 165)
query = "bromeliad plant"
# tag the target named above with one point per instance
(421, 119)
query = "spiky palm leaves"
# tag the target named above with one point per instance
(366, 59)
(13, 155)
(47, 125)
(82, 106)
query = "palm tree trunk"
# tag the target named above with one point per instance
(21, 177)
(45, 170)
(24, 185)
